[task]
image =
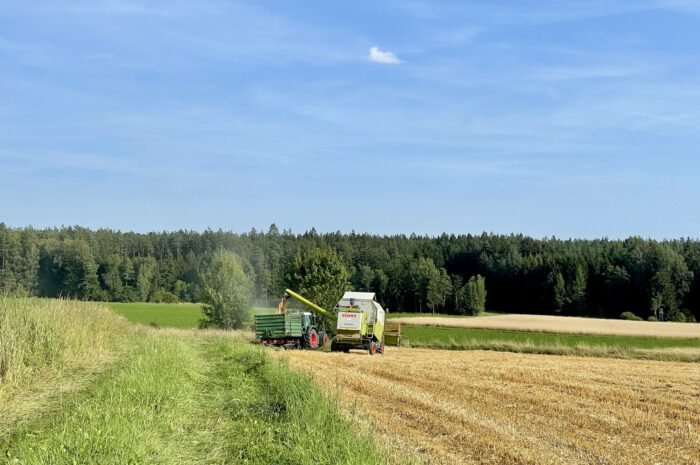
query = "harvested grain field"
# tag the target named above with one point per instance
(562, 324)
(480, 407)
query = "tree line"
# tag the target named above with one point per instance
(448, 273)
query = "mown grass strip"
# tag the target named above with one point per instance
(267, 413)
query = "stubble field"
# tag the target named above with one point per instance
(477, 407)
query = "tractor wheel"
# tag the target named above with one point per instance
(312, 339)
(372, 348)
(322, 339)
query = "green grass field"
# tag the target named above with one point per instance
(167, 315)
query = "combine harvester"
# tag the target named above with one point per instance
(357, 322)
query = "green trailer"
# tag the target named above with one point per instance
(291, 330)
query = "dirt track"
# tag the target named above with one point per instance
(502, 408)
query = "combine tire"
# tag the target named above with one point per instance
(322, 339)
(381, 347)
(312, 339)
(372, 348)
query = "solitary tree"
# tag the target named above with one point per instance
(472, 297)
(319, 275)
(226, 291)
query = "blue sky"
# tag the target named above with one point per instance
(574, 119)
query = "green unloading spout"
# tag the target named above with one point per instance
(311, 305)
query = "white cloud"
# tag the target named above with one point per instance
(379, 56)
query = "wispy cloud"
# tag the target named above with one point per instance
(385, 57)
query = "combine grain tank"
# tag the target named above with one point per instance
(360, 323)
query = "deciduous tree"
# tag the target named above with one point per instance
(226, 291)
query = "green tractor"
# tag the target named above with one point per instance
(357, 322)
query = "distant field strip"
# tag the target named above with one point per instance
(561, 324)
(165, 315)
(502, 408)
(180, 315)
(650, 348)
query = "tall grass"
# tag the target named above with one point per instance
(42, 334)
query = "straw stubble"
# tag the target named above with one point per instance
(474, 407)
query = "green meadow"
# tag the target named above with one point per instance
(180, 315)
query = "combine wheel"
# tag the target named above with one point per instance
(381, 347)
(312, 339)
(372, 348)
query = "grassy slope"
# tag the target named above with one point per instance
(186, 397)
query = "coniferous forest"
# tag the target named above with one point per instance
(598, 278)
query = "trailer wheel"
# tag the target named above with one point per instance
(372, 348)
(312, 339)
